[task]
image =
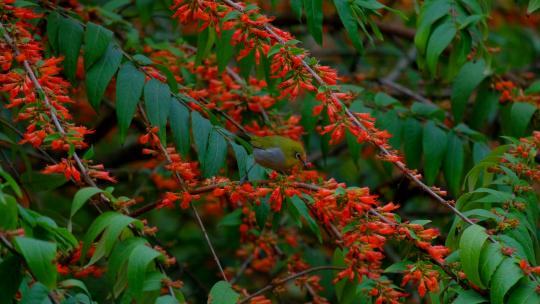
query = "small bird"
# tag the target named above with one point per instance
(278, 152)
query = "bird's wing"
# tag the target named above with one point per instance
(263, 142)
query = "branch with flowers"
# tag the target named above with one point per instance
(197, 105)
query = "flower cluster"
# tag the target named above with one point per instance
(41, 95)
(422, 275)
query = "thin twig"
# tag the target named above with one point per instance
(184, 187)
(277, 282)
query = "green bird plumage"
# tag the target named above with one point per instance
(278, 152)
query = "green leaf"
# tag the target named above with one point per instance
(454, 162)
(384, 100)
(471, 243)
(215, 154)
(222, 293)
(297, 7)
(179, 122)
(490, 259)
(97, 227)
(39, 256)
(70, 37)
(138, 263)
(506, 276)
(38, 294)
(349, 22)
(469, 77)
(241, 159)
(428, 110)
(520, 116)
(100, 74)
(157, 101)
(110, 236)
(438, 41)
(468, 297)
(314, 16)
(201, 129)
(412, 142)
(434, 146)
(534, 87)
(96, 41)
(303, 210)
(73, 283)
(524, 294)
(11, 182)
(533, 6)
(53, 24)
(431, 12)
(10, 269)
(81, 197)
(8, 213)
(224, 49)
(129, 87)
(167, 299)
(116, 273)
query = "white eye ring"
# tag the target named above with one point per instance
(298, 156)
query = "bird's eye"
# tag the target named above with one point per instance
(298, 156)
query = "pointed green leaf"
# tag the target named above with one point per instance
(468, 297)
(434, 146)
(438, 41)
(533, 6)
(53, 24)
(412, 142)
(303, 210)
(10, 267)
(215, 154)
(224, 49)
(520, 116)
(179, 122)
(38, 294)
(471, 244)
(222, 293)
(39, 256)
(296, 7)
(524, 293)
(8, 213)
(157, 101)
(81, 197)
(431, 12)
(469, 77)
(138, 263)
(100, 74)
(349, 22)
(70, 37)
(454, 162)
(506, 276)
(314, 16)
(96, 41)
(201, 129)
(129, 87)
(110, 237)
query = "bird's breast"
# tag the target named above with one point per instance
(272, 158)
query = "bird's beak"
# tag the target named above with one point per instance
(306, 163)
